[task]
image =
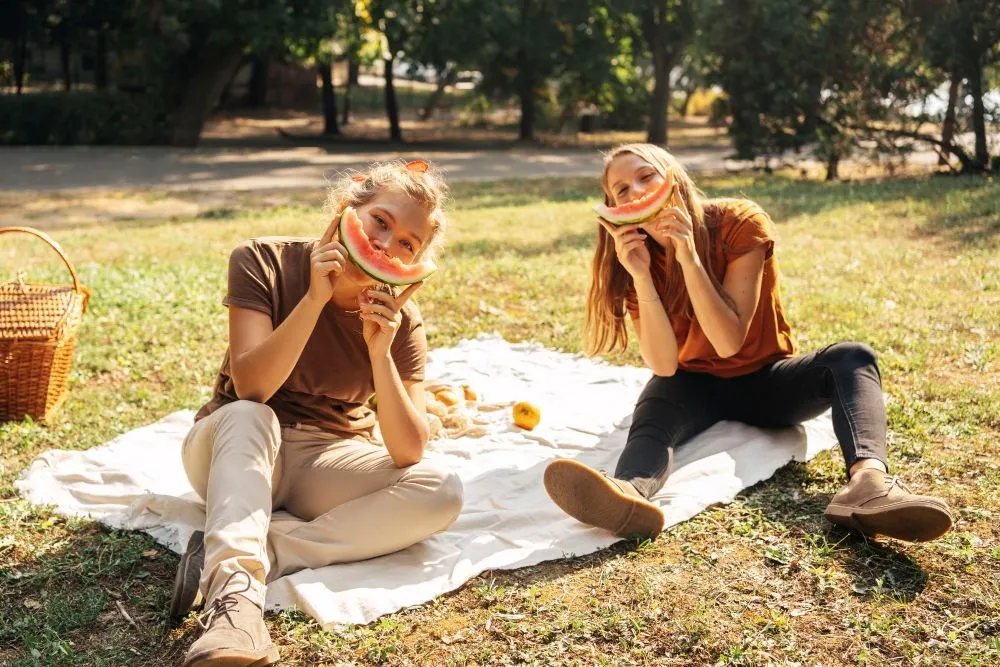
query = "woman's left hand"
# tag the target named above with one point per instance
(673, 225)
(380, 318)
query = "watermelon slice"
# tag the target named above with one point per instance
(641, 209)
(373, 261)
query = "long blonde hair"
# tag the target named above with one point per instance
(604, 329)
(424, 185)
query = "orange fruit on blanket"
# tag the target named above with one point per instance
(470, 394)
(527, 415)
(448, 396)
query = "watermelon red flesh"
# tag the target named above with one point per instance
(373, 261)
(641, 209)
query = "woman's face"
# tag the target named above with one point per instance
(629, 177)
(397, 225)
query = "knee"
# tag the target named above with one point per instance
(248, 419)
(852, 356)
(446, 495)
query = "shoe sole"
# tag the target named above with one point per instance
(589, 497)
(916, 521)
(185, 596)
(231, 658)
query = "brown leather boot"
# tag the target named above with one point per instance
(235, 634)
(598, 500)
(877, 503)
(186, 593)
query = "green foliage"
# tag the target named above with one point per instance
(801, 73)
(80, 117)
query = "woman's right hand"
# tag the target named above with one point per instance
(630, 246)
(326, 264)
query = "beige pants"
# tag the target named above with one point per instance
(353, 502)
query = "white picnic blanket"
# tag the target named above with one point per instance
(136, 481)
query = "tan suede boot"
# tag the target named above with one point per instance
(235, 634)
(877, 503)
(598, 500)
(186, 594)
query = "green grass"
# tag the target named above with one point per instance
(909, 266)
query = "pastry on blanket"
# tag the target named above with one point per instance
(448, 396)
(456, 420)
(435, 425)
(437, 408)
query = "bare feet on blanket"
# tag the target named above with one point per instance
(598, 500)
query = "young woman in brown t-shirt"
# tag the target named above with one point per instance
(699, 282)
(311, 337)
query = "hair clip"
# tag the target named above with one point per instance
(358, 178)
(419, 166)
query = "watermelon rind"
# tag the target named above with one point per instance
(615, 216)
(380, 275)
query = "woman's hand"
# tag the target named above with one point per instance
(630, 247)
(381, 318)
(673, 225)
(326, 264)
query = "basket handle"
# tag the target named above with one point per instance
(52, 244)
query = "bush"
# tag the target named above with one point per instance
(80, 117)
(706, 102)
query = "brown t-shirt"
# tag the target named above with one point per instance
(332, 380)
(741, 226)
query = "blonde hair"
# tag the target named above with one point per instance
(604, 327)
(357, 188)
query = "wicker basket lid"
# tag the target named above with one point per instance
(34, 312)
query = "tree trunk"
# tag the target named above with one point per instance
(444, 80)
(64, 57)
(329, 100)
(20, 58)
(101, 60)
(345, 116)
(391, 106)
(832, 166)
(353, 71)
(211, 70)
(688, 94)
(653, 20)
(661, 96)
(978, 113)
(526, 79)
(258, 82)
(948, 129)
(526, 93)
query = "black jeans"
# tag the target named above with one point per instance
(672, 410)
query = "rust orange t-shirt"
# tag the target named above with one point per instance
(739, 227)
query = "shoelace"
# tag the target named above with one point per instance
(896, 481)
(224, 603)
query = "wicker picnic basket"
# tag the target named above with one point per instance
(38, 326)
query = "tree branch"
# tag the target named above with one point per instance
(967, 163)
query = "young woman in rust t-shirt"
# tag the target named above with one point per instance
(311, 337)
(699, 282)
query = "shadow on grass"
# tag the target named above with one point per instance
(877, 568)
(875, 565)
(974, 223)
(99, 597)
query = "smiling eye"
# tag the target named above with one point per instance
(645, 177)
(407, 245)
(380, 221)
(622, 191)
